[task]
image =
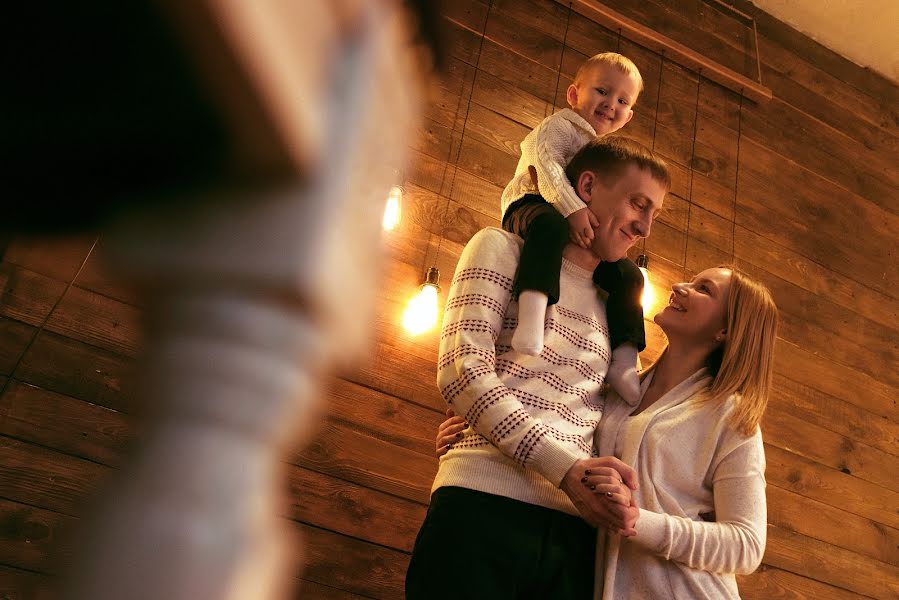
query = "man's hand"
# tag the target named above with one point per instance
(616, 511)
(581, 223)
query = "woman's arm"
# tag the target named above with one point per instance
(734, 543)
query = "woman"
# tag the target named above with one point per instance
(694, 440)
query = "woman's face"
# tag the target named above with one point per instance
(696, 311)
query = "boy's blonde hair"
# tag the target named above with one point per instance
(743, 366)
(611, 59)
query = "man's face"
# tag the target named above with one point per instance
(625, 206)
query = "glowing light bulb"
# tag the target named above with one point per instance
(421, 312)
(649, 295)
(393, 208)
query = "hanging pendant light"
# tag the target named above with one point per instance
(649, 296)
(393, 208)
(421, 312)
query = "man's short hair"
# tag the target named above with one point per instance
(611, 154)
(611, 59)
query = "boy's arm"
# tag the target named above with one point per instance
(554, 138)
(466, 368)
(734, 543)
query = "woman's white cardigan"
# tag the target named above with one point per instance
(689, 461)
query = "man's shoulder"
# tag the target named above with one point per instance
(495, 239)
(493, 248)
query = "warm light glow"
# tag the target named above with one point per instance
(393, 208)
(649, 296)
(421, 312)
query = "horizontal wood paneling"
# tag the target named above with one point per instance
(64, 423)
(769, 582)
(793, 191)
(831, 413)
(56, 258)
(68, 366)
(32, 538)
(318, 591)
(16, 584)
(787, 509)
(829, 564)
(815, 481)
(831, 449)
(353, 565)
(343, 452)
(97, 320)
(16, 336)
(32, 474)
(95, 276)
(27, 296)
(370, 568)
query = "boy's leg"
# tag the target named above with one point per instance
(545, 234)
(624, 283)
(474, 545)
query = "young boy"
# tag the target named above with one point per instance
(546, 212)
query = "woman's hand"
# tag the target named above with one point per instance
(608, 483)
(598, 509)
(449, 432)
(631, 514)
(612, 480)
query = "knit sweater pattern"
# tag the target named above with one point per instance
(549, 148)
(531, 417)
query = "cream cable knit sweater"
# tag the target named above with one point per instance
(531, 417)
(549, 148)
(689, 461)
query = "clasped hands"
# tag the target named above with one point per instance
(600, 488)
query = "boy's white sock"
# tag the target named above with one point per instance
(528, 336)
(623, 373)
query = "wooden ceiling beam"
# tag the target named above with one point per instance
(671, 49)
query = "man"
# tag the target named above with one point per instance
(509, 514)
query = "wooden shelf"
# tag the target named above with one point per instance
(675, 51)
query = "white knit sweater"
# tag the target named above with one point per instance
(689, 461)
(549, 148)
(531, 417)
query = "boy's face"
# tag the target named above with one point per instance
(604, 97)
(625, 205)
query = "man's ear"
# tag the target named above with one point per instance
(571, 95)
(585, 182)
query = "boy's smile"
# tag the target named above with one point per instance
(604, 97)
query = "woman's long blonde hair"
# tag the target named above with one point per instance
(743, 366)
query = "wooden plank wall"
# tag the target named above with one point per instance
(801, 192)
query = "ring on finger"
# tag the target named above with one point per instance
(608, 494)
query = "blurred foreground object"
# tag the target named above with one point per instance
(239, 153)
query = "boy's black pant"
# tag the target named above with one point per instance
(478, 545)
(545, 234)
